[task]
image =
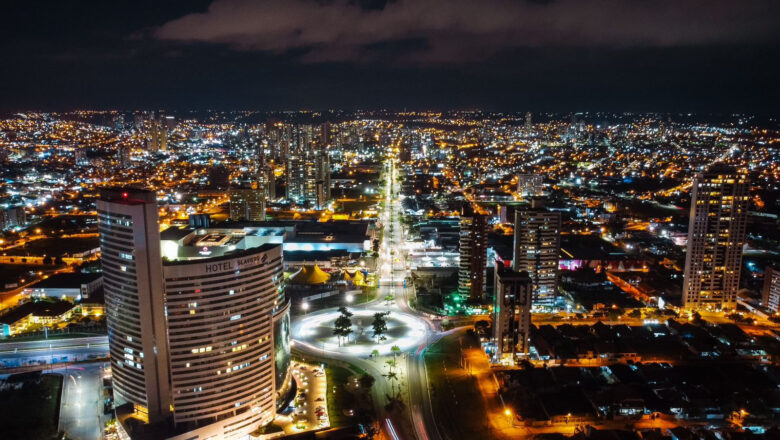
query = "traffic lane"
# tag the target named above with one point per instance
(422, 413)
(81, 409)
(46, 356)
(52, 343)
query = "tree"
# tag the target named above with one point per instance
(375, 353)
(391, 375)
(389, 299)
(525, 364)
(367, 381)
(396, 350)
(380, 325)
(343, 325)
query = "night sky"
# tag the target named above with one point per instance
(537, 55)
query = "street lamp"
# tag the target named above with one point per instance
(350, 298)
(305, 307)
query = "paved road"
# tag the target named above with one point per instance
(392, 270)
(19, 354)
(421, 411)
(81, 409)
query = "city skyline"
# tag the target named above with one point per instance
(390, 220)
(340, 271)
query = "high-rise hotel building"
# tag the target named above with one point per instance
(221, 309)
(716, 236)
(221, 340)
(135, 306)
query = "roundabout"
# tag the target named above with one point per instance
(403, 329)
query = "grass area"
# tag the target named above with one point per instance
(267, 429)
(31, 411)
(454, 392)
(369, 294)
(339, 398)
(359, 371)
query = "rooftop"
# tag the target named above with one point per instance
(67, 280)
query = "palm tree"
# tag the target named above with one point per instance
(395, 350)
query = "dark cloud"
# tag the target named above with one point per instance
(564, 55)
(466, 30)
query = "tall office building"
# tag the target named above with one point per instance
(285, 142)
(770, 296)
(125, 156)
(323, 178)
(716, 236)
(158, 134)
(511, 314)
(170, 122)
(135, 304)
(528, 121)
(302, 180)
(247, 203)
(537, 248)
(268, 180)
(473, 254)
(12, 217)
(325, 135)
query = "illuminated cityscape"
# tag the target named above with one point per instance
(390, 220)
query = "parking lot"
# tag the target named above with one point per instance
(310, 408)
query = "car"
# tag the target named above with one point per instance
(320, 399)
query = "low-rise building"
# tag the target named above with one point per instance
(44, 313)
(67, 286)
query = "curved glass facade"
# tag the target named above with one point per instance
(220, 330)
(282, 354)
